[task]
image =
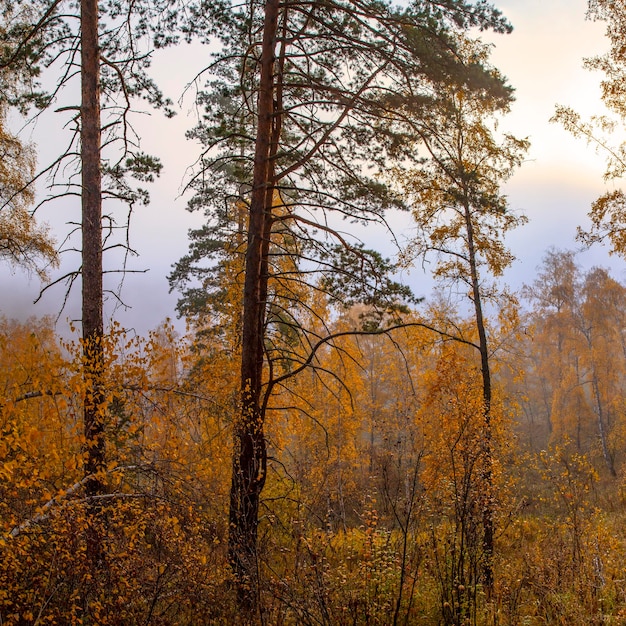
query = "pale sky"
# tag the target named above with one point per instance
(554, 188)
(543, 60)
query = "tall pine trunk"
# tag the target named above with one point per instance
(249, 452)
(91, 204)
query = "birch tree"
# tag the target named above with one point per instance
(608, 212)
(461, 218)
(23, 242)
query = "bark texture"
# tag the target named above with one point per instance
(250, 454)
(92, 294)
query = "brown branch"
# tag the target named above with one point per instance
(63, 495)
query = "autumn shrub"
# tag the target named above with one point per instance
(315, 573)
(159, 522)
(160, 566)
(561, 557)
(340, 577)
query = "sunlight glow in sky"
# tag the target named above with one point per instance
(543, 60)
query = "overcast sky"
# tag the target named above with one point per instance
(542, 59)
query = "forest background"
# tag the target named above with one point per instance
(456, 461)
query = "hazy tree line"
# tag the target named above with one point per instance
(321, 448)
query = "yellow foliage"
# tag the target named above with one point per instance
(372, 507)
(22, 242)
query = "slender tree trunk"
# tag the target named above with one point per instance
(91, 194)
(606, 453)
(487, 476)
(249, 453)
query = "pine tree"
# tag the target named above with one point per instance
(291, 131)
